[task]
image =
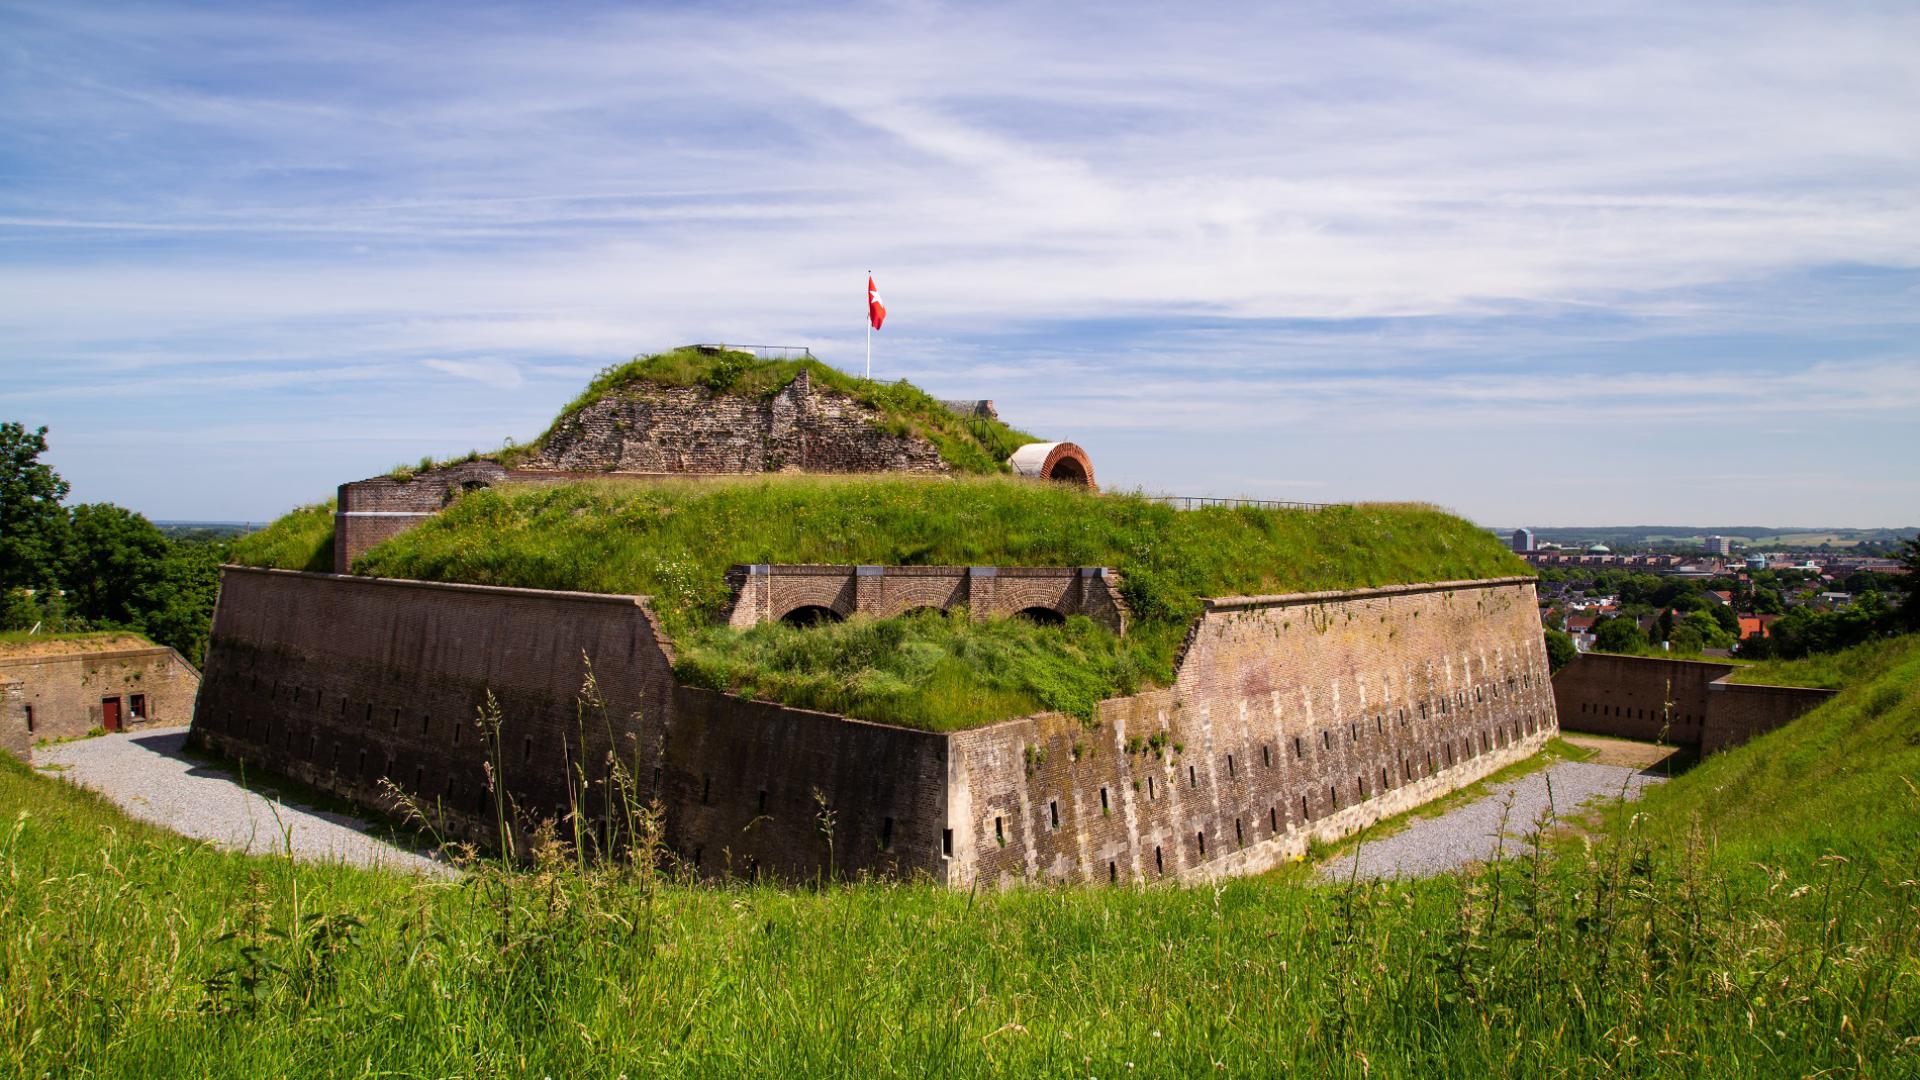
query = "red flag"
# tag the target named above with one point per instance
(876, 311)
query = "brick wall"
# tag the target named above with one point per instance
(1636, 697)
(14, 738)
(68, 692)
(1681, 702)
(1290, 718)
(665, 429)
(1737, 712)
(764, 593)
(740, 779)
(369, 511)
(342, 682)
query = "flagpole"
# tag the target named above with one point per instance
(869, 325)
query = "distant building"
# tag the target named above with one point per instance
(1756, 562)
(1720, 545)
(1523, 541)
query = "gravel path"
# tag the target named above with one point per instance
(1466, 834)
(146, 774)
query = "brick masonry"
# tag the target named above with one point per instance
(66, 696)
(764, 593)
(342, 682)
(1680, 702)
(1290, 718)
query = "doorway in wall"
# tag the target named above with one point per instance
(110, 713)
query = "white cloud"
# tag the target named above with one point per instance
(500, 374)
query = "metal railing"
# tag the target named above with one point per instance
(1196, 502)
(762, 352)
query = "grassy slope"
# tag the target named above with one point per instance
(674, 541)
(301, 539)
(1637, 953)
(1825, 671)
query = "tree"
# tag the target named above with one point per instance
(1617, 635)
(33, 526)
(1560, 650)
(117, 569)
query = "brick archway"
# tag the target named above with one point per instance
(1061, 461)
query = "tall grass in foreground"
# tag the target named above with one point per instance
(1685, 939)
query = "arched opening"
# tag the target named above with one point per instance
(811, 615)
(1068, 469)
(1044, 616)
(1062, 461)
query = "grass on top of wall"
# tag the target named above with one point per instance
(674, 541)
(925, 670)
(1754, 917)
(301, 539)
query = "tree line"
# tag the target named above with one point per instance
(94, 566)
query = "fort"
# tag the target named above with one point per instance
(67, 687)
(1231, 727)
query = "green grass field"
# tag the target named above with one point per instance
(1755, 917)
(674, 541)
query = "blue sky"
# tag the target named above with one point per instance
(1626, 263)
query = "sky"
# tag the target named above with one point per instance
(1540, 264)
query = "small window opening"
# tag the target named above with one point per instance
(1239, 834)
(1230, 773)
(763, 801)
(886, 834)
(1326, 739)
(1193, 778)
(1150, 795)
(526, 750)
(1202, 834)
(1383, 778)
(1053, 811)
(396, 720)
(1306, 811)
(29, 719)
(137, 706)
(1299, 748)
(1273, 819)
(1000, 830)
(1113, 872)
(1333, 796)
(946, 843)
(706, 788)
(1103, 800)
(1159, 863)
(1266, 756)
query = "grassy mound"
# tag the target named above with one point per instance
(301, 539)
(1652, 947)
(975, 445)
(675, 540)
(1840, 779)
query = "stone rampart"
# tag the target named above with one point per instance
(763, 593)
(344, 682)
(1681, 702)
(1290, 718)
(647, 428)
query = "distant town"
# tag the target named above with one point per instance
(1757, 594)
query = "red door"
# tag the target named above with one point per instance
(110, 713)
